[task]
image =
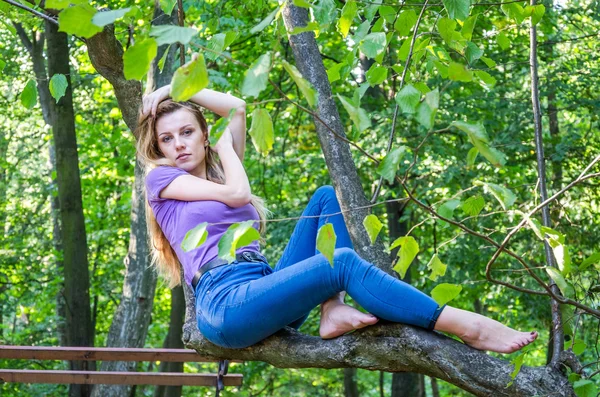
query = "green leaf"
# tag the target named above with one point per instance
(438, 269)
(489, 62)
(103, 18)
(357, 114)
(302, 3)
(265, 22)
(29, 95)
(561, 254)
(219, 128)
(389, 166)
(167, 6)
(444, 293)
(518, 363)
(513, 11)
(326, 241)
(479, 138)
(405, 22)
(162, 60)
(376, 74)
(138, 57)
(189, 79)
(170, 34)
(593, 259)
(2, 65)
(257, 77)
(446, 28)
(487, 79)
(585, 388)
(473, 205)
(471, 156)
(428, 108)
(373, 44)
(459, 72)
(305, 87)
(505, 197)
(457, 9)
(195, 237)
(58, 86)
(447, 209)
(373, 226)
(325, 12)
(563, 285)
(468, 26)
(310, 27)
(361, 32)
(536, 12)
(261, 131)
(579, 346)
(409, 249)
(408, 98)
(60, 4)
(348, 14)
(502, 40)
(473, 52)
(387, 13)
(77, 20)
(219, 42)
(333, 73)
(237, 236)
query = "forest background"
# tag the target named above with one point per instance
(435, 101)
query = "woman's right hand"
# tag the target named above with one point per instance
(150, 102)
(226, 140)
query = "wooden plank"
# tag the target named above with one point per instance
(101, 354)
(116, 378)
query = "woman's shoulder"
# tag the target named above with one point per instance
(160, 177)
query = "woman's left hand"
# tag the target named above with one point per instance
(150, 102)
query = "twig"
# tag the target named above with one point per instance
(34, 12)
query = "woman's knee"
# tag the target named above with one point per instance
(326, 192)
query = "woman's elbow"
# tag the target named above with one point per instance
(240, 198)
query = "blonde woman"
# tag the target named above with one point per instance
(240, 303)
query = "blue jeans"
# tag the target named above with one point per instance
(240, 304)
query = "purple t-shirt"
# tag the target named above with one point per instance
(176, 218)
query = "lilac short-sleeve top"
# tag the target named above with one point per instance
(176, 218)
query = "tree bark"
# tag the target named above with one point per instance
(173, 341)
(139, 284)
(79, 331)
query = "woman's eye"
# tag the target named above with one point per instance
(187, 132)
(166, 139)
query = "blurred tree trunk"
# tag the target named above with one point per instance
(435, 391)
(173, 341)
(350, 385)
(79, 331)
(129, 327)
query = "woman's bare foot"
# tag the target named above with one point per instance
(337, 318)
(481, 332)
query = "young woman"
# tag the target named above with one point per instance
(242, 302)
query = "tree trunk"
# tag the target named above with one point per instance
(435, 391)
(173, 341)
(350, 385)
(139, 284)
(79, 331)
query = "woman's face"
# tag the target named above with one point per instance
(182, 141)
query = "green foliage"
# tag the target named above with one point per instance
(29, 94)
(505, 196)
(409, 248)
(305, 87)
(103, 18)
(444, 293)
(373, 44)
(408, 98)
(479, 138)
(389, 165)
(261, 131)
(585, 388)
(189, 79)
(195, 237)
(137, 59)
(373, 226)
(438, 269)
(357, 114)
(257, 76)
(326, 239)
(58, 86)
(457, 9)
(237, 236)
(77, 20)
(171, 34)
(346, 18)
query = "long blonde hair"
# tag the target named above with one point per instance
(164, 257)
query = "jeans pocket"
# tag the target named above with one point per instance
(209, 331)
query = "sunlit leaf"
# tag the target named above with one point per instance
(408, 98)
(585, 388)
(189, 79)
(457, 9)
(438, 269)
(563, 285)
(358, 115)
(167, 6)
(409, 249)
(373, 44)
(103, 18)
(459, 72)
(348, 14)
(237, 236)
(265, 22)
(405, 22)
(29, 95)
(479, 138)
(77, 20)
(373, 226)
(326, 239)
(505, 196)
(473, 205)
(471, 156)
(170, 34)
(195, 237)
(138, 57)
(305, 87)
(444, 293)
(591, 260)
(376, 74)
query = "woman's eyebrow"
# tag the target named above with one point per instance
(181, 128)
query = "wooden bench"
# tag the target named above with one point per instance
(219, 380)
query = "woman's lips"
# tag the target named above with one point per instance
(183, 157)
